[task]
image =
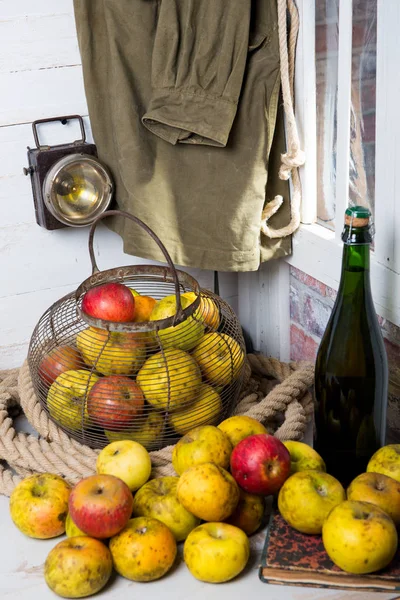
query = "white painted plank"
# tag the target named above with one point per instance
(15, 139)
(343, 111)
(306, 109)
(30, 95)
(249, 309)
(11, 9)
(387, 153)
(30, 43)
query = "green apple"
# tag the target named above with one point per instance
(158, 499)
(127, 460)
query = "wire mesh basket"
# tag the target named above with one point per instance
(177, 365)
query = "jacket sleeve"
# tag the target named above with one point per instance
(198, 63)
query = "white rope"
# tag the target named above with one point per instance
(294, 157)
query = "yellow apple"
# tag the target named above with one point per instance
(201, 445)
(359, 537)
(158, 499)
(134, 292)
(216, 552)
(71, 529)
(209, 492)
(220, 358)
(207, 312)
(239, 427)
(67, 398)
(39, 505)
(378, 489)
(148, 432)
(112, 352)
(185, 335)
(386, 460)
(248, 514)
(78, 567)
(303, 457)
(127, 460)
(144, 550)
(205, 410)
(307, 497)
(169, 379)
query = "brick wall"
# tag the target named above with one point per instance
(311, 303)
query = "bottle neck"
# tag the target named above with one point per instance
(355, 258)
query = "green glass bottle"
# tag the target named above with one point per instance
(351, 372)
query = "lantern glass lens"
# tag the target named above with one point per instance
(79, 191)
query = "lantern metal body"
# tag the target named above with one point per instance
(70, 186)
(149, 381)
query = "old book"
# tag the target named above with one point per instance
(293, 558)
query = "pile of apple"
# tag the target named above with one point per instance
(125, 383)
(120, 519)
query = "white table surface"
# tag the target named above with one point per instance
(22, 560)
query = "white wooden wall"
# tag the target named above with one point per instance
(41, 76)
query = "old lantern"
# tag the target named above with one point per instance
(70, 186)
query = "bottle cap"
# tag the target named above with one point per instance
(357, 216)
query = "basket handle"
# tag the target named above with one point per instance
(122, 213)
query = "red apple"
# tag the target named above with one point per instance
(100, 505)
(260, 464)
(114, 402)
(110, 301)
(59, 360)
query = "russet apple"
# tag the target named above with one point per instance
(207, 312)
(185, 335)
(205, 410)
(100, 505)
(67, 398)
(78, 567)
(239, 427)
(39, 505)
(110, 302)
(303, 457)
(220, 358)
(148, 430)
(114, 402)
(248, 514)
(386, 460)
(144, 550)
(208, 491)
(127, 460)
(378, 489)
(307, 497)
(359, 537)
(170, 379)
(260, 464)
(57, 361)
(71, 530)
(158, 499)
(112, 352)
(216, 552)
(201, 445)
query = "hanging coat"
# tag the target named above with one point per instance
(183, 99)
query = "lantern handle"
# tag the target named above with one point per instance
(121, 213)
(64, 120)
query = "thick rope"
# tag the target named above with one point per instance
(294, 157)
(274, 393)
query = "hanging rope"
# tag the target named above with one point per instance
(277, 394)
(294, 157)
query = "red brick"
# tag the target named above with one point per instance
(326, 38)
(302, 346)
(309, 281)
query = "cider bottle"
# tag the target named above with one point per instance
(351, 372)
